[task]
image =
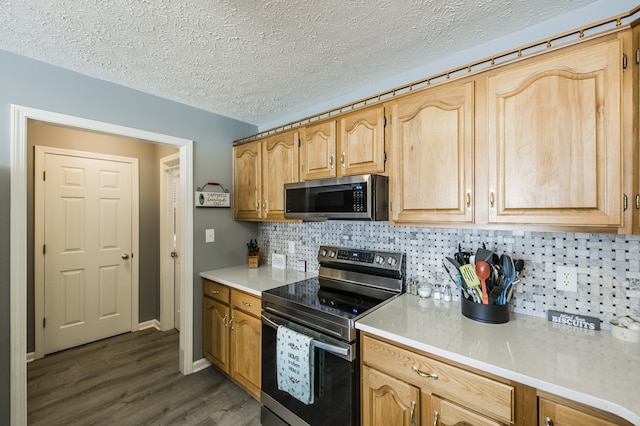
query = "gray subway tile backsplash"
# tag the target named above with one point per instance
(608, 264)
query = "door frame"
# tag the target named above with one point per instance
(38, 235)
(167, 299)
(18, 240)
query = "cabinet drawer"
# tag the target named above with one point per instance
(246, 302)
(215, 290)
(465, 388)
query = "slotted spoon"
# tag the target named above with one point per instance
(471, 279)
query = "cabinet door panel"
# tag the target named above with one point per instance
(215, 333)
(555, 154)
(362, 142)
(246, 347)
(388, 401)
(318, 151)
(446, 413)
(561, 415)
(280, 159)
(433, 148)
(247, 171)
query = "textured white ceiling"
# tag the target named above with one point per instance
(254, 60)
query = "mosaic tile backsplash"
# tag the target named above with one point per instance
(608, 265)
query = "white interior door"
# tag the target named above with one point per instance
(87, 236)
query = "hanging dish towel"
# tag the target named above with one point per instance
(295, 361)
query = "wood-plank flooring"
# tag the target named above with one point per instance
(132, 379)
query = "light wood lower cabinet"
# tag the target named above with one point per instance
(402, 387)
(232, 334)
(556, 411)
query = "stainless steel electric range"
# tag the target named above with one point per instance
(350, 284)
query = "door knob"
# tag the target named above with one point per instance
(125, 256)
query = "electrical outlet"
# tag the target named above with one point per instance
(567, 278)
(292, 247)
(210, 236)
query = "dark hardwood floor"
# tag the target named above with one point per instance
(132, 379)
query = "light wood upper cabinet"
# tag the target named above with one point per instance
(260, 170)
(318, 151)
(433, 139)
(554, 139)
(352, 145)
(361, 142)
(247, 181)
(280, 166)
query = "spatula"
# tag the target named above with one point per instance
(471, 279)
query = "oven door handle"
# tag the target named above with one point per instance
(328, 347)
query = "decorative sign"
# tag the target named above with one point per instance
(589, 323)
(213, 199)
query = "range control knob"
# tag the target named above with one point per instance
(332, 253)
(323, 253)
(392, 261)
(379, 259)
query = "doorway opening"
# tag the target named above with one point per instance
(170, 237)
(18, 240)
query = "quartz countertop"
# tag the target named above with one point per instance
(588, 366)
(255, 280)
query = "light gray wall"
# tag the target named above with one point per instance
(34, 84)
(148, 155)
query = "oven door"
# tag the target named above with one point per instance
(336, 379)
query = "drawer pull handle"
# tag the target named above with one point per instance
(433, 376)
(214, 291)
(247, 304)
(548, 422)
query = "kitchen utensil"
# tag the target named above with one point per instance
(483, 271)
(471, 279)
(454, 263)
(455, 280)
(484, 255)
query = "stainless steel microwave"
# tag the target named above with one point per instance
(363, 197)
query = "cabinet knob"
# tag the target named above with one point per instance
(331, 161)
(224, 321)
(492, 200)
(468, 200)
(548, 422)
(342, 160)
(436, 416)
(264, 206)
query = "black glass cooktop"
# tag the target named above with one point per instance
(312, 295)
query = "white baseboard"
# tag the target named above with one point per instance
(154, 323)
(200, 364)
(31, 356)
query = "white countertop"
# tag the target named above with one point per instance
(255, 280)
(587, 366)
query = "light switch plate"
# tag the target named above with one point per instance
(278, 261)
(210, 235)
